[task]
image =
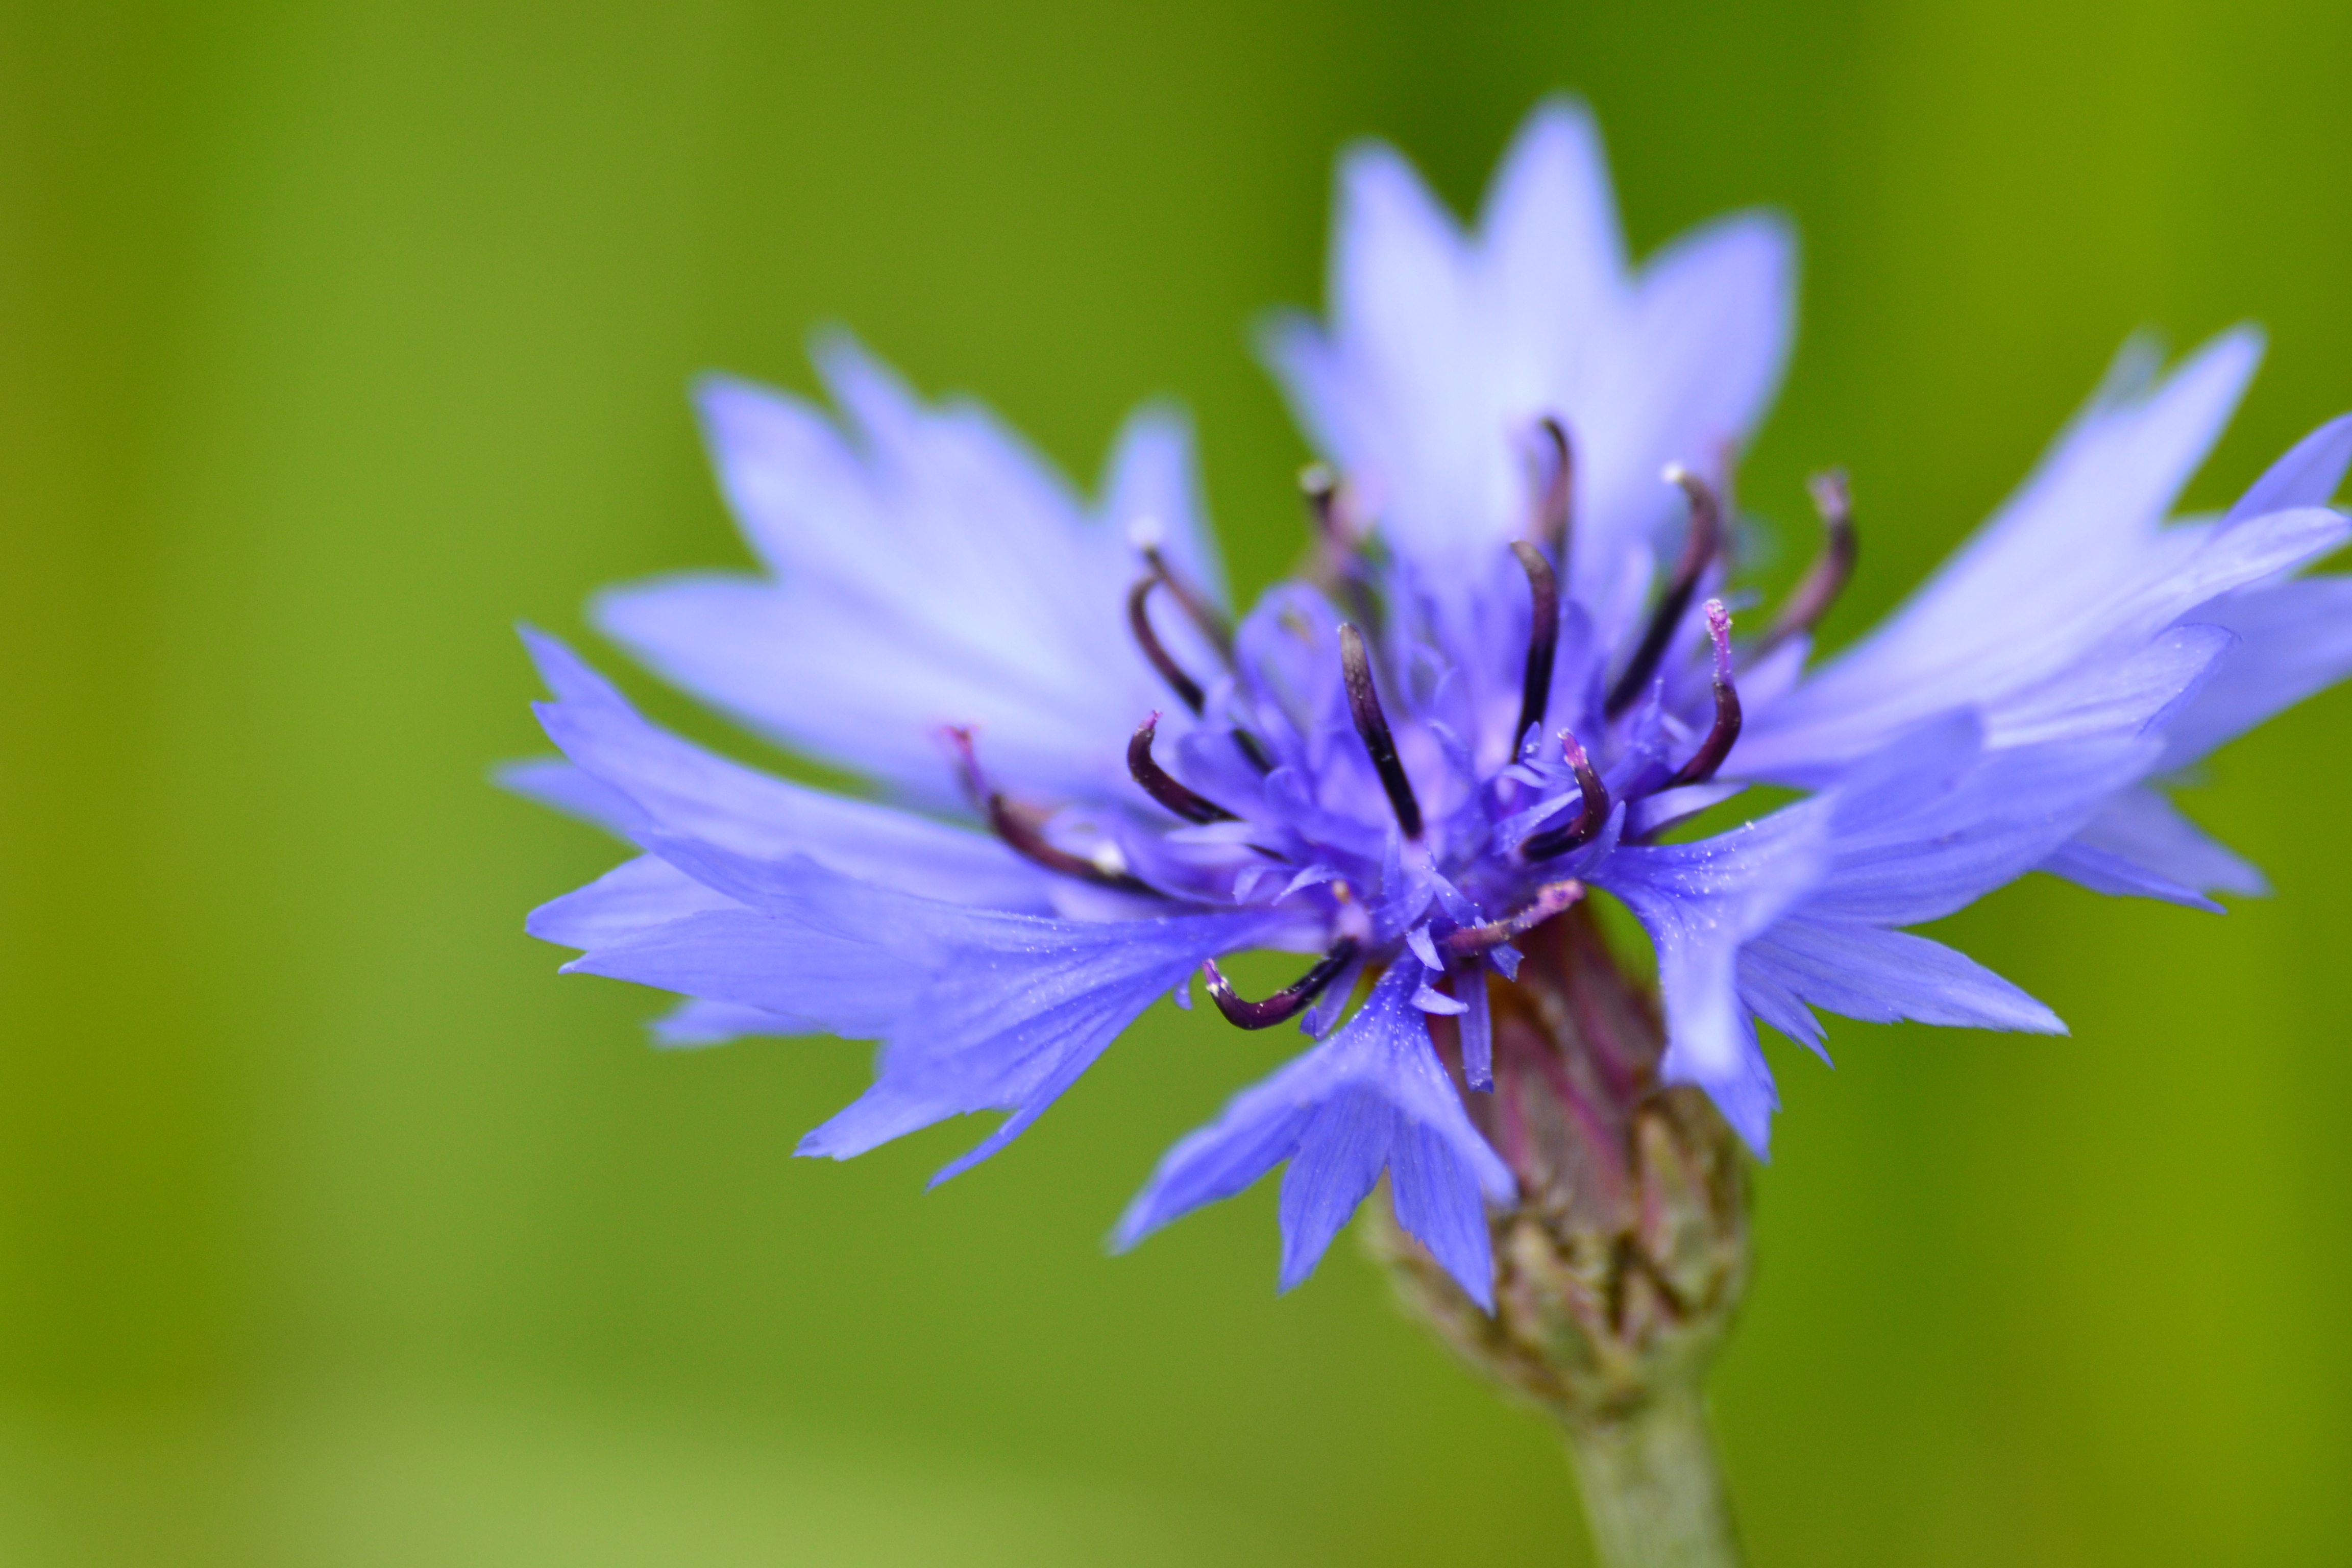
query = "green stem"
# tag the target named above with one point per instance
(1652, 1495)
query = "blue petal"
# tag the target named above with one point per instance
(2119, 697)
(2307, 476)
(1341, 1154)
(927, 568)
(633, 898)
(1919, 837)
(650, 780)
(2075, 572)
(558, 785)
(1699, 902)
(978, 1009)
(2167, 854)
(1878, 976)
(831, 981)
(696, 1023)
(1372, 1096)
(1443, 348)
(1016, 1016)
(2295, 638)
(2103, 871)
(1790, 911)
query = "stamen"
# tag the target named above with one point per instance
(1592, 811)
(1161, 787)
(1022, 835)
(1556, 500)
(1819, 588)
(1145, 534)
(959, 737)
(1138, 620)
(1286, 1004)
(1020, 831)
(1339, 537)
(1543, 639)
(1698, 547)
(1726, 730)
(1187, 690)
(1550, 899)
(1372, 724)
(1320, 485)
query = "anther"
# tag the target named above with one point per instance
(1020, 831)
(1550, 899)
(1543, 639)
(1286, 1004)
(1161, 787)
(1699, 547)
(1592, 811)
(1138, 620)
(1819, 588)
(1555, 489)
(1372, 724)
(1726, 730)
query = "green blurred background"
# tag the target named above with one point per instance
(336, 1229)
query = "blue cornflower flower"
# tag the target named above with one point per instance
(1509, 669)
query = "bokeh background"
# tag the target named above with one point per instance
(336, 1229)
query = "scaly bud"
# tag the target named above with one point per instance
(1620, 1268)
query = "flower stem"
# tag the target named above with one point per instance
(1652, 1495)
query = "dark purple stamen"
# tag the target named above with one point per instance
(1543, 639)
(1019, 829)
(1021, 835)
(1161, 787)
(1698, 547)
(1592, 811)
(1138, 620)
(1726, 730)
(1556, 501)
(1187, 690)
(1818, 589)
(1286, 1004)
(1550, 899)
(1145, 535)
(1372, 724)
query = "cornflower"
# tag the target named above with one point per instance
(1509, 671)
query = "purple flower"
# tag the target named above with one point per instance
(1510, 671)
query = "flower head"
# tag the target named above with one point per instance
(1510, 670)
